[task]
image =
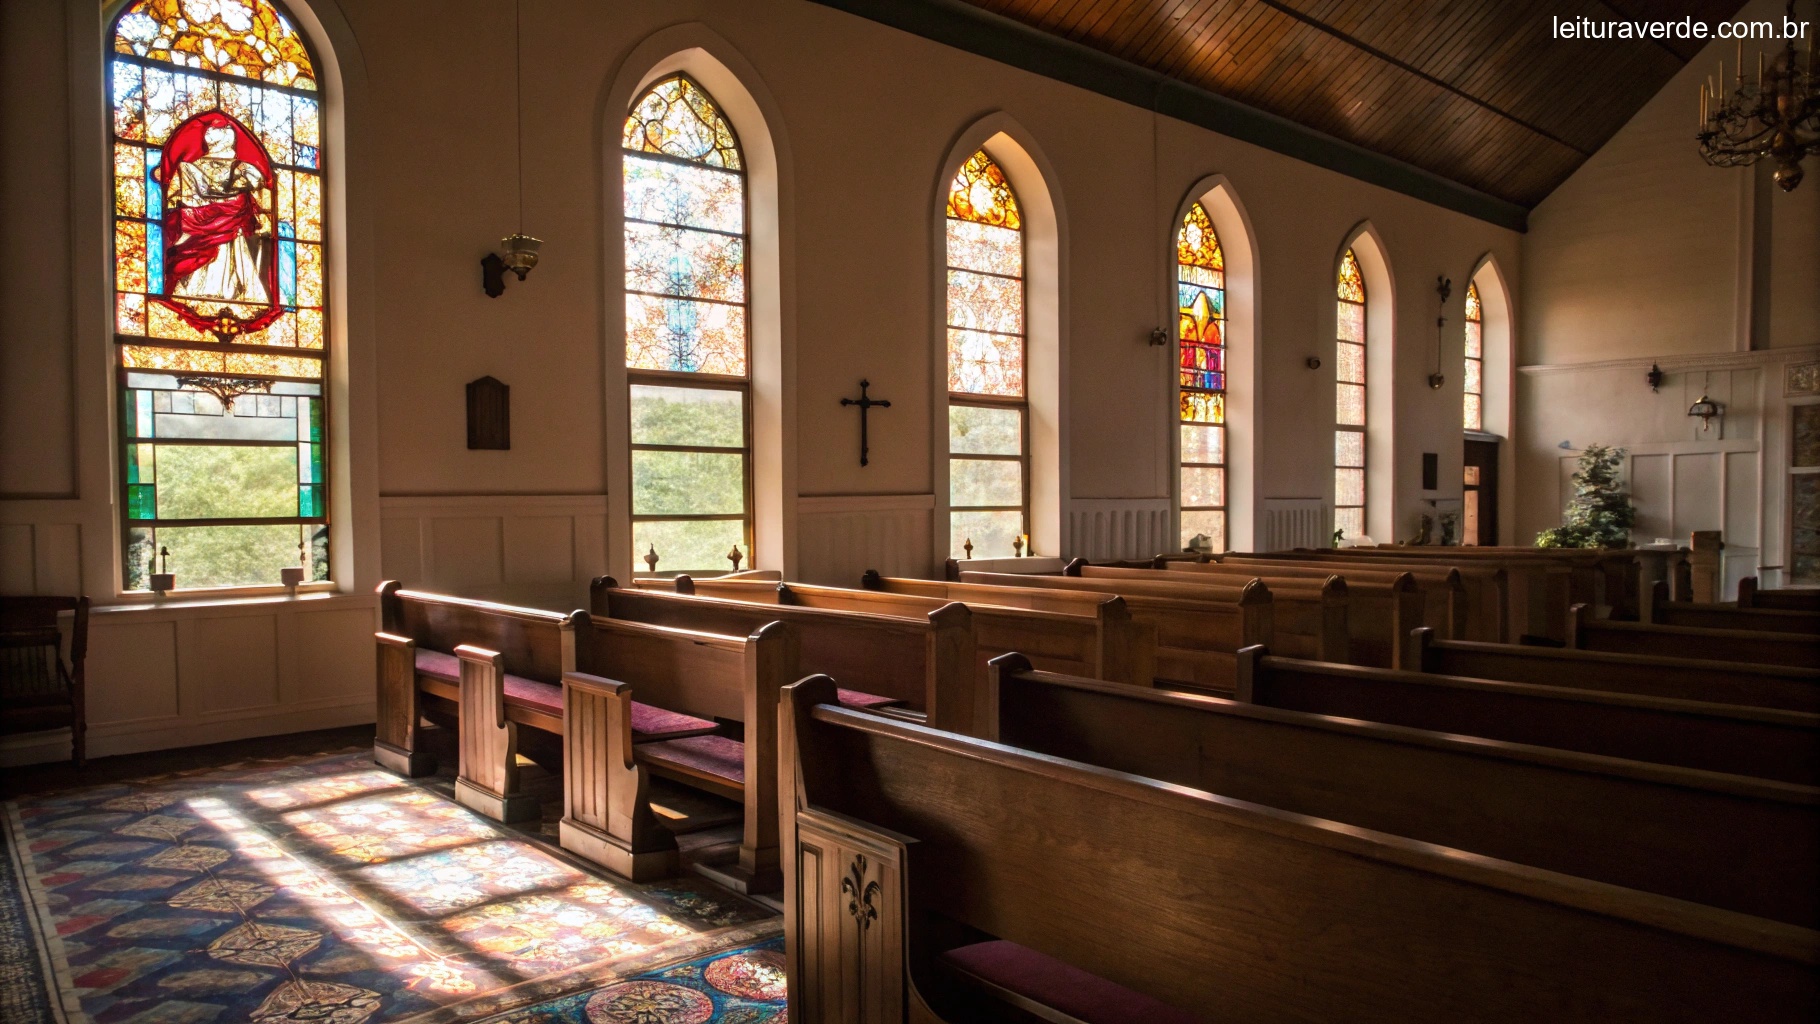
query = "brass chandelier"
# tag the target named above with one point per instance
(1777, 118)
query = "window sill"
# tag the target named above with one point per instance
(227, 598)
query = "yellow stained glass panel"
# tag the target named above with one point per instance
(244, 38)
(1352, 285)
(677, 118)
(982, 193)
(1197, 245)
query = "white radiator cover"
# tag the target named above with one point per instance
(1289, 523)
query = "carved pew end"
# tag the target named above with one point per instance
(399, 714)
(488, 782)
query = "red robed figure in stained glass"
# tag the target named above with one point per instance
(218, 244)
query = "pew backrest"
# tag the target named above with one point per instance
(532, 643)
(915, 829)
(1720, 682)
(1794, 599)
(1748, 845)
(1486, 616)
(1309, 616)
(1665, 612)
(1589, 632)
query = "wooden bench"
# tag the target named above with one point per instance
(1748, 845)
(1590, 633)
(607, 816)
(1720, 682)
(509, 675)
(1444, 607)
(938, 877)
(1199, 630)
(1761, 742)
(1726, 615)
(1088, 634)
(1487, 587)
(1794, 599)
(925, 664)
(1542, 586)
(1359, 621)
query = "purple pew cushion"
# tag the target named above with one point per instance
(1043, 979)
(857, 699)
(710, 755)
(648, 723)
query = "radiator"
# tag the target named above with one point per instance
(1295, 523)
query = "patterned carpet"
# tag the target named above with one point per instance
(325, 889)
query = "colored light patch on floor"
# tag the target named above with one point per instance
(323, 889)
(740, 986)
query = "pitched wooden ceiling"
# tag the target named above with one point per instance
(1475, 91)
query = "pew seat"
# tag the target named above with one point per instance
(649, 724)
(1009, 973)
(714, 763)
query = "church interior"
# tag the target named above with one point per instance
(1074, 511)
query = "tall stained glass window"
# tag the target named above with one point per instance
(1201, 297)
(686, 342)
(988, 417)
(1475, 360)
(218, 294)
(1349, 403)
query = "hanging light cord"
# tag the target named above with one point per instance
(518, 104)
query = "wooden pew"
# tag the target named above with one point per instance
(509, 676)
(1795, 599)
(1444, 605)
(1726, 615)
(1361, 621)
(1542, 586)
(1199, 630)
(1744, 845)
(936, 876)
(607, 816)
(1719, 682)
(1762, 742)
(1590, 633)
(926, 664)
(1088, 634)
(1487, 587)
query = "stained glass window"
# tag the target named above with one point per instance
(1201, 373)
(988, 461)
(219, 296)
(687, 357)
(1349, 402)
(1475, 360)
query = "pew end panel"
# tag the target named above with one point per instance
(399, 711)
(607, 816)
(488, 782)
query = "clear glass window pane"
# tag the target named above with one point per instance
(688, 483)
(1204, 531)
(1348, 448)
(1349, 486)
(1203, 444)
(1352, 322)
(991, 533)
(223, 482)
(983, 430)
(985, 482)
(222, 556)
(1350, 405)
(1203, 486)
(704, 417)
(1472, 377)
(688, 545)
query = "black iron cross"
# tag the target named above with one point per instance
(865, 403)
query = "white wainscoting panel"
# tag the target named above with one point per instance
(528, 548)
(1290, 523)
(839, 537)
(40, 558)
(1100, 529)
(184, 673)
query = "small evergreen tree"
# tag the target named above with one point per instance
(1600, 514)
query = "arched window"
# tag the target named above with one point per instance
(1475, 359)
(1349, 402)
(1201, 296)
(219, 296)
(988, 411)
(687, 349)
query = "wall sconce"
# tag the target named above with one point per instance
(520, 256)
(1706, 409)
(1654, 377)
